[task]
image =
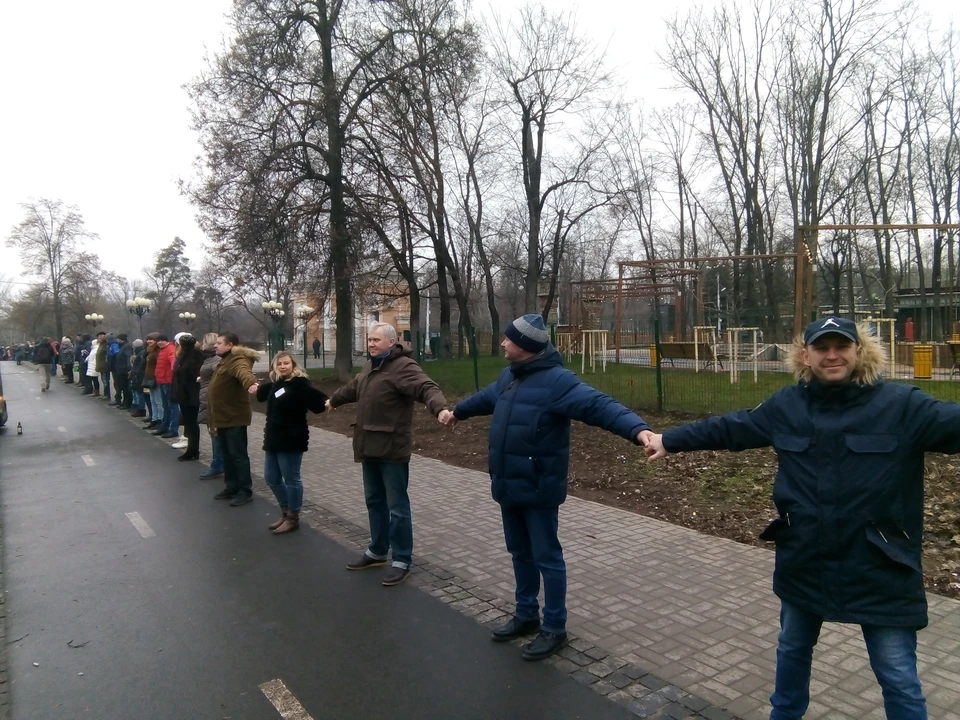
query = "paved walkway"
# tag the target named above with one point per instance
(644, 595)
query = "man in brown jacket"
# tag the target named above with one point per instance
(385, 391)
(229, 415)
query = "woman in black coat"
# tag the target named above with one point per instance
(185, 391)
(285, 436)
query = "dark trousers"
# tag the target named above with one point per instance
(121, 384)
(191, 428)
(236, 462)
(68, 373)
(531, 536)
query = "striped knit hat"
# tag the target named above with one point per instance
(528, 332)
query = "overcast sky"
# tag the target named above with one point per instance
(94, 112)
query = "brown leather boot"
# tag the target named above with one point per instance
(277, 523)
(291, 523)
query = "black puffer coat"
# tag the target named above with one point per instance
(849, 488)
(286, 428)
(185, 390)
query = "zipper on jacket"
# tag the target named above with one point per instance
(880, 531)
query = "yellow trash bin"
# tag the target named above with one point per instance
(653, 356)
(923, 362)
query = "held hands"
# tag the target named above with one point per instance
(253, 388)
(328, 406)
(654, 448)
(447, 418)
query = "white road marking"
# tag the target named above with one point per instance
(141, 525)
(284, 701)
(61, 428)
(88, 460)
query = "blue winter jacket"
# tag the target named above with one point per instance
(849, 492)
(532, 404)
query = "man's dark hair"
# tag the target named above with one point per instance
(161, 337)
(101, 333)
(122, 336)
(230, 338)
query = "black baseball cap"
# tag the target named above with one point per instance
(835, 325)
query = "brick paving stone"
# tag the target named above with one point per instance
(675, 711)
(599, 669)
(685, 593)
(584, 677)
(618, 680)
(694, 703)
(652, 682)
(648, 705)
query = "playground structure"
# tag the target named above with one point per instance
(619, 319)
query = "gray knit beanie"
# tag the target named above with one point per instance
(528, 332)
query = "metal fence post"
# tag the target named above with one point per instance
(473, 354)
(656, 342)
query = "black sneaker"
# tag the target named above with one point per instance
(395, 576)
(241, 499)
(225, 495)
(365, 562)
(544, 645)
(514, 629)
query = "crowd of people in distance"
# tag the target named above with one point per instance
(848, 491)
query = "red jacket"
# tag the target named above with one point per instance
(165, 360)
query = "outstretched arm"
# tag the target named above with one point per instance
(346, 394)
(935, 423)
(734, 431)
(579, 401)
(480, 403)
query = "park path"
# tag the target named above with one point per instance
(695, 611)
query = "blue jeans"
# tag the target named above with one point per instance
(138, 400)
(236, 461)
(893, 657)
(531, 536)
(388, 507)
(281, 470)
(156, 405)
(167, 409)
(216, 464)
(174, 424)
(105, 382)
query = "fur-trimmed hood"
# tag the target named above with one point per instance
(245, 352)
(870, 359)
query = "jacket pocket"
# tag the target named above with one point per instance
(377, 440)
(774, 531)
(879, 443)
(791, 443)
(890, 541)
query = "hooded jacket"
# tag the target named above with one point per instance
(849, 486)
(102, 364)
(165, 359)
(385, 391)
(286, 428)
(138, 367)
(122, 357)
(532, 404)
(184, 389)
(150, 366)
(228, 402)
(66, 354)
(210, 362)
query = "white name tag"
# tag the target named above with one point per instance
(279, 392)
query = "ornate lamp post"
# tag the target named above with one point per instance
(187, 317)
(139, 306)
(274, 310)
(93, 319)
(304, 313)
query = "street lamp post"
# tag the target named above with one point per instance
(93, 318)
(187, 317)
(139, 306)
(304, 314)
(274, 310)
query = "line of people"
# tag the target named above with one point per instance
(849, 487)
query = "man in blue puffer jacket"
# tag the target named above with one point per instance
(532, 404)
(849, 493)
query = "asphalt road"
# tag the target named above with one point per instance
(191, 621)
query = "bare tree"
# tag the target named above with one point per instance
(47, 240)
(553, 74)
